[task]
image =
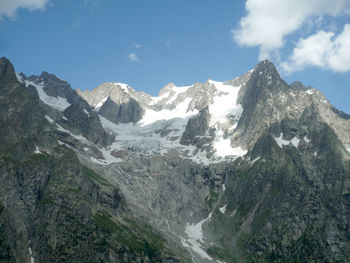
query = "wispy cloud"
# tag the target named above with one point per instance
(76, 24)
(9, 7)
(91, 3)
(137, 45)
(134, 58)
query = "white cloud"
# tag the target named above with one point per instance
(324, 50)
(9, 7)
(268, 22)
(133, 57)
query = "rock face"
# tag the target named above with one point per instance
(247, 170)
(53, 208)
(62, 104)
(121, 113)
(197, 128)
(86, 123)
(117, 102)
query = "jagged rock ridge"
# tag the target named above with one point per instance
(247, 170)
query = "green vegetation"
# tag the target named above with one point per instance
(48, 201)
(221, 253)
(104, 221)
(95, 176)
(212, 198)
(135, 236)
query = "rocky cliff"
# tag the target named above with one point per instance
(53, 208)
(247, 170)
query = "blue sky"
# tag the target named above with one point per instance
(148, 44)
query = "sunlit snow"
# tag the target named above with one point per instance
(155, 100)
(32, 260)
(19, 78)
(58, 103)
(280, 141)
(143, 136)
(49, 119)
(123, 86)
(87, 113)
(306, 139)
(223, 146)
(181, 111)
(177, 90)
(223, 209)
(295, 141)
(224, 104)
(255, 160)
(37, 150)
(195, 237)
(100, 104)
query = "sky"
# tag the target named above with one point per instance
(148, 44)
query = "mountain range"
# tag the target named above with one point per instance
(248, 170)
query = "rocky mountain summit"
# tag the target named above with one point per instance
(247, 170)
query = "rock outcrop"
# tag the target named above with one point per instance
(247, 170)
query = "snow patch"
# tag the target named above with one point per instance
(295, 141)
(32, 260)
(19, 78)
(195, 237)
(58, 103)
(108, 157)
(60, 128)
(255, 160)
(223, 209)
(280, 141)
(97, 161)
(49, 119)
(180, 111)
(37, 150)
(78, 137)
(223, 188)
(225, 103)
(234, 212)
(177, 90)
(65, 118)
(100, 104)
(306, 139)
(223, 146)
(86, 112)
(123, 86)
(348, 149)
(62, 143)
(310, 91)
(155, 100)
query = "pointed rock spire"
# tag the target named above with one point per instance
(7, 72)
